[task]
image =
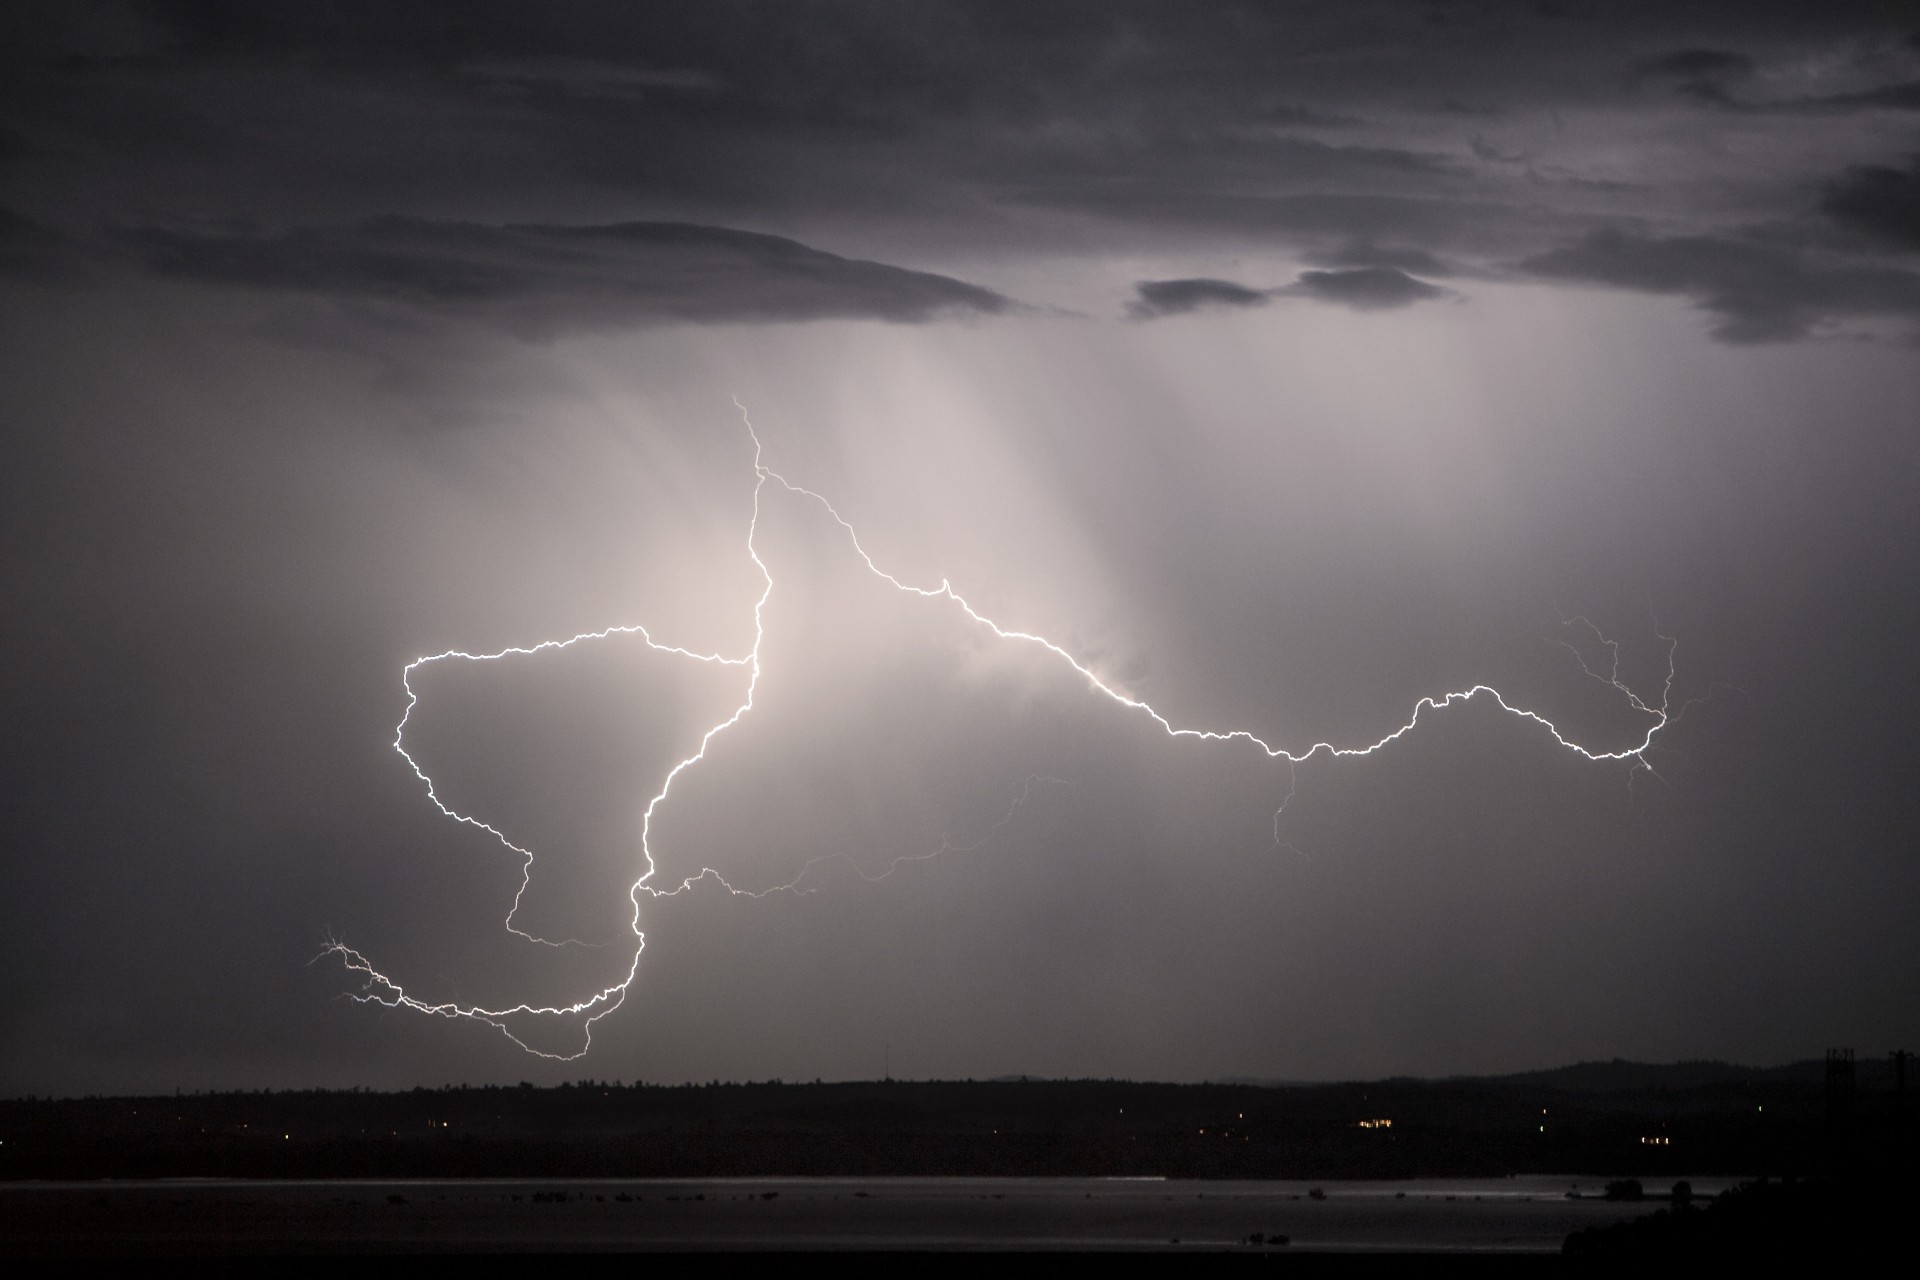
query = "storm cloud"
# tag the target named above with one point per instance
(1178, 297)
(970, 124)
(1364, 288)
(1758, 292)
(1359, 288)
(1879, 200)
(27, 250)
(1695, 63)
(536, 280)
(1360, 253)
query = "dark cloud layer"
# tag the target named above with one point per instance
(540, 279)
(1364, 288)
(977, 123)
(30, 250)
(1371, 288)
(1177, 297)
(1360, 288)
(1362, 254)
(1883, 202)
(1692, 63)
(1710, 92)
(1759, 292)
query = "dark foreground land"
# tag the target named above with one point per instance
(1489, 1167)
(1617, 1119)
(1495, 1217)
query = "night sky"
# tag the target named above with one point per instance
(1282, 364)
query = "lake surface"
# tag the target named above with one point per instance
(1498, 1215)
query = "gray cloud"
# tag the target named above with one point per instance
(1904, 96)
(30, 250)
(1695, 63)
(1364, 288)
(1703, 75)
(535, 279)
(1883, 202)
(1760, 292)
(1370, 288)
(1360, 253)
(1291, 115)
(582, 77)
(1324, 222)
(957, 125)
(1486, 151)
(1897, 97)
(1159, 298)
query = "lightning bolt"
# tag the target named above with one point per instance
(378, 988)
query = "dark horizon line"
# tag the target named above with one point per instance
(1727, 1070)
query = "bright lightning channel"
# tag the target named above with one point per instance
(378, 988)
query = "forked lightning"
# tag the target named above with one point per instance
(379, 988)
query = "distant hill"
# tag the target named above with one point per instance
(1622, 1076)
(1618, 1119)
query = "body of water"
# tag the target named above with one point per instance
(1522, 1214)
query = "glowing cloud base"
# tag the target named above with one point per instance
(378, 988)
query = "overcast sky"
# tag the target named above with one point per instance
(1284, 365)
